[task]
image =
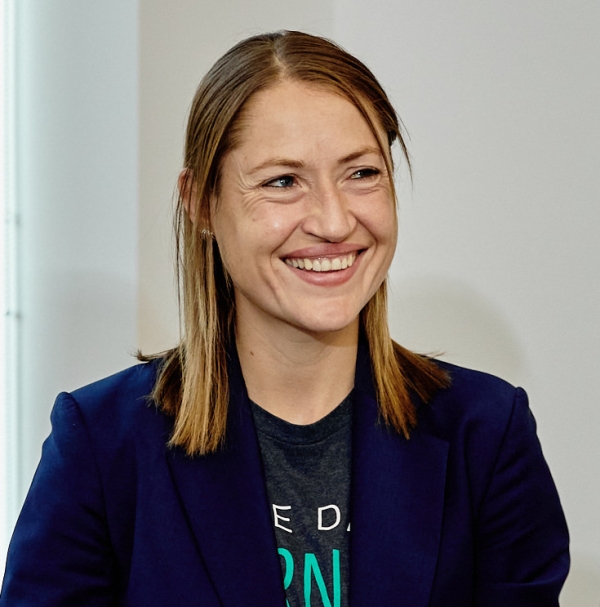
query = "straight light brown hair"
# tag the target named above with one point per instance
(192, 384)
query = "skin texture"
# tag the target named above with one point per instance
(307, 181)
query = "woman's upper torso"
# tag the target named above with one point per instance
(463, 513)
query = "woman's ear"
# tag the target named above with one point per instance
(189, 198)
(187, 193)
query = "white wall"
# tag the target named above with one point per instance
(77, 190)
(496, 265)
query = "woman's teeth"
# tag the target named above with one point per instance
(323, 264)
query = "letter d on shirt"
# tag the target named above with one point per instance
(338, 517)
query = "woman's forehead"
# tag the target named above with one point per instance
(292, 112)
(297, 121)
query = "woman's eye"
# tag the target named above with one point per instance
(365, 173)
(285, 181)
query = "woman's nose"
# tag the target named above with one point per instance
(328, 214)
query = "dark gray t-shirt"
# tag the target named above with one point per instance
(307, 470)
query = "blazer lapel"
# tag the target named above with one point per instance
(225, 500)
(397, 505)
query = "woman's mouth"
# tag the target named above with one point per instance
(322, 264)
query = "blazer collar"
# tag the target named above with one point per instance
(397, 499)
(224, 496)
(397, 504)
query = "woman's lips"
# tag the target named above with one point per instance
(322, 264)
(326, 270)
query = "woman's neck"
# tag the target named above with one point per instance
(297, 376)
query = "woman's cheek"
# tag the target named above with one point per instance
(380, 220)
(278, 223)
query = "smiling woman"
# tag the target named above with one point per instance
(287, 451)
(335, 207)
(263, 127)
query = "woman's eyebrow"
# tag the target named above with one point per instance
(277, 162)
(299, 164)
(359, 153)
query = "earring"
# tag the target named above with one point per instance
(206, 234)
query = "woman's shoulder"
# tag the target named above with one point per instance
(115, 409)
(127, 386)
(473, 385)
(488, 427)
(475, 402)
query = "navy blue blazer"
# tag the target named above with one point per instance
(465, 513)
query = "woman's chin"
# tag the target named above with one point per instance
(329, 324)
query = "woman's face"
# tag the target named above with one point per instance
(304, 218)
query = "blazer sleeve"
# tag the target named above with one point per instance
(522, 556)
(60, 553)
